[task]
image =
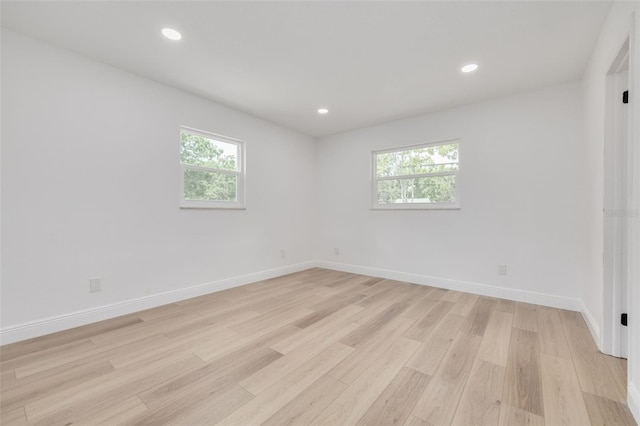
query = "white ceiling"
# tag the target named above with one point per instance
(368, 62)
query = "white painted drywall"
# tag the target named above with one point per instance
(615, 30)
(90, 189)
(90, 167)
(522, 190)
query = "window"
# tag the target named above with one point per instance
(212, 170)
(417, 177)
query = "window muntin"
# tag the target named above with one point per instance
(212, 170)
(417, 177)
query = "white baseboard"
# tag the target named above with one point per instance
(49, 325)
(75, 319)
(594, 328)
(633, 401)
(464, 286)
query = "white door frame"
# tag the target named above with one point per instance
(617, 198)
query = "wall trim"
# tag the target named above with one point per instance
(464, 286)
(633, 400)
(53, 324)
(592, 324)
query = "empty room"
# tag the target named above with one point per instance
(414, 213)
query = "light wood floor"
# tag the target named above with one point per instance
(320, 348)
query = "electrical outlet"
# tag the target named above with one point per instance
(282, 254)
(336, 251)
(502, 269)
(95, 285)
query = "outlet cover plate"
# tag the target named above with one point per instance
(95, 285)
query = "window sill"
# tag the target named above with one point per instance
(417, 207)
(210, 208)
(211, 205)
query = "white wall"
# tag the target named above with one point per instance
(522, 191)
(90, 189)
(616, 29)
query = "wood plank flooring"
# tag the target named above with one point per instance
(319, 347)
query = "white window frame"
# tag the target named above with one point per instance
(239, 204)
(414, 206)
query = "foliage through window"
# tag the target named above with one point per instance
(212, 170)
(415, 177)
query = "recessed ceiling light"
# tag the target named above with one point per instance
(171, 34)
(323, 111)
(469, 68)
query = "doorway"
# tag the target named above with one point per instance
(616, 206)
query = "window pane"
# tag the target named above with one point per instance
(210, 186)
(440, 158)
(205, 152)
(434, 189)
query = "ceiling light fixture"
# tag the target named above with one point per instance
(171, 34)
(469, 68)
(323, 111)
